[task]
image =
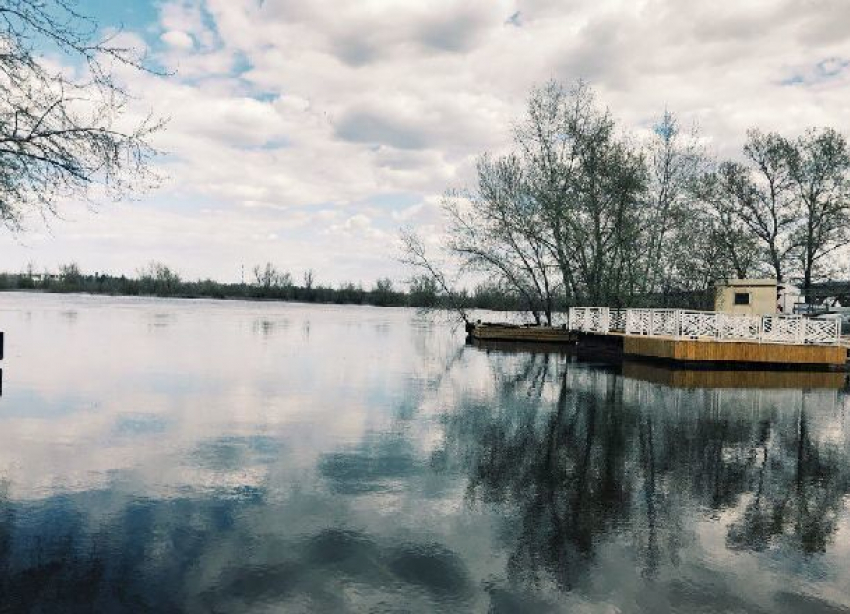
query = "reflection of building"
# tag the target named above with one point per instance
(746, 296)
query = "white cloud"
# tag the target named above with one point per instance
(284, 111)
(178, 39)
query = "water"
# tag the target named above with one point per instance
(193, 456)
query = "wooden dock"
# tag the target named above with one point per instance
(706, 352)
(485, 331)
(702, 352)
(692, 351)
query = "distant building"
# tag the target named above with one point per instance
(42, 277)
(748, 296)
(789, 299)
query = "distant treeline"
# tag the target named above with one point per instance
(266, 283)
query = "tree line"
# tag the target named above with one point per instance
(580, 212)
(266, 282)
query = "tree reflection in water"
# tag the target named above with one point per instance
(578, 457)
(575, 466)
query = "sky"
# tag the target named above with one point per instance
(308, 133)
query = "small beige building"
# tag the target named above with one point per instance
(746, 296)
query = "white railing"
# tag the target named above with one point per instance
(617, 320)
(699, 325)
(664, 322)
(778, 329)
(822, 331)
(590, 319)
(638, 321)
(706, 325)
(747, 328)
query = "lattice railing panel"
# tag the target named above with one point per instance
(738, 328)
(695, 324)
(705, 325)
(589, 319)
(575, 318)
(600, 319)
(664, 322)
(782, 329)
(638, 321)
(822, 331)
(617, 320)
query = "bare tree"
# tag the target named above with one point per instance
(62, 136)
(620, 223)
(415, 255)
(267, 277)
(819, 167)
(423, 290)
(675, 161)
(309, 279)
(551, 166)
(762, 195)
(158, 278)
(383, 293)
(737, 249)
(70, 273)
(496, 230)
(588, 180)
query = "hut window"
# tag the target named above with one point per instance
(742, 298)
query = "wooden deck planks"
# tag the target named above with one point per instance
(541, 334)
(686, 350)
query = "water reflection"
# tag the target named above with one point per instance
(160, 320)
(625, 461)
(266, 328)
(745, 378)
(377, 465)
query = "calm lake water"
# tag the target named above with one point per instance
(196, 456)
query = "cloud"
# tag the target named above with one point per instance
(284, 110)
(456, 31)
(178, 39)
(358, 225)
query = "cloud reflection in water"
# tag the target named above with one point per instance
(379, 468)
